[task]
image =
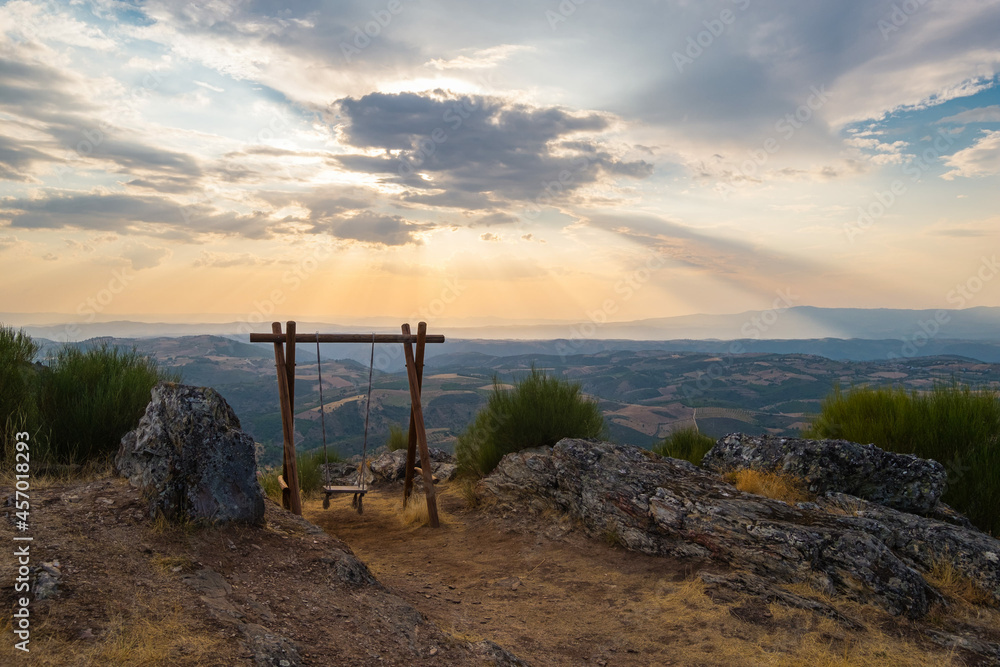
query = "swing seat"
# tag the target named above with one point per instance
(331, 490)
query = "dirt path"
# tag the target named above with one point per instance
(546, 596)
(555, 597)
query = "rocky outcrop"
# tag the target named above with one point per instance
(839, 544)
(900, 481)
(391, 466)
(191, 459)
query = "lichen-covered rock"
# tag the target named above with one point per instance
(345, 473)
(391, 466)
(901, 481)
(191, 459)
(839, 544)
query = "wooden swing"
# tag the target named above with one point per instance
(361, 487)
(284, 358)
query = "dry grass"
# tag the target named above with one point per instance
(776, 485)
(703, 632)
(955, 585)
(173, 564)
(415, 512)
(48, 476)
(467, 489)
(138, 635)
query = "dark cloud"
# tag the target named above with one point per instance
(124, 213)
(16, 159)
(374, 228)
(477, 145)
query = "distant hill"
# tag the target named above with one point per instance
(795, 323)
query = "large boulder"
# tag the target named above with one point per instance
(839, 544)
(901, 481)
(191, 459)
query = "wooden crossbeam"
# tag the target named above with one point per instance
(343, 338)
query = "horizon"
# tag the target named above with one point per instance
(542, 164)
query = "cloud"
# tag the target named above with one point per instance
(735, 261)
(489, 236)
(143, 256)
(478, 145)
(374, 228)
(17, 158)
(55, 107)
(480, 58)
(226, 260)
(131, 214)
(980, 159)
(990, 114)
(496, 218)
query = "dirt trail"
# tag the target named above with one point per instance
(551, 595)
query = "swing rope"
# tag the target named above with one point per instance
(368, 403)
(322, 415)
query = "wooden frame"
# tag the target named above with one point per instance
(284, 359)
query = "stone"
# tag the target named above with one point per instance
(900, 481)
(345, 473)
(48, 576)
(191, 459)
(839, 544)
(391, 466)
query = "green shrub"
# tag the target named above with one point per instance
(538, 411)
(18, 382)
(687, 444)
(954, 425)
(90, 398)
(310, 469)
(309, 465)
(398, 438)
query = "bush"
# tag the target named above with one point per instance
(538, 411)
(398, 438)
(91, 397)
(311, 478)
(954, 425)
(687, 444)
(18, 381)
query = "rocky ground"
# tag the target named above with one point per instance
(544, 586)
(534, 574)
(125, 590)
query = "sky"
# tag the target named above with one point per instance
(499, 160)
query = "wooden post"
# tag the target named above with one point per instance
(290, 498)
(418, 422)
(411, 443)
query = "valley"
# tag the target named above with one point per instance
(645, 394)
